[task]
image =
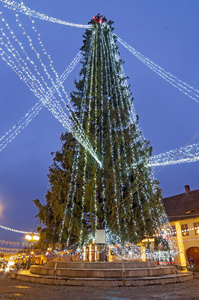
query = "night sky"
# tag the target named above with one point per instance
(164, 31)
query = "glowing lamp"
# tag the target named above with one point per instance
(28, 237)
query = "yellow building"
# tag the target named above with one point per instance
(183, 213)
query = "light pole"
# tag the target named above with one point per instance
(31, 238)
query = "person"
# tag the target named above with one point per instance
(191, 260)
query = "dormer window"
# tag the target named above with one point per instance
(192, 211)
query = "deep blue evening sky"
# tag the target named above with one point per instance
(167, 32)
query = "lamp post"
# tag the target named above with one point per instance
(31, 238)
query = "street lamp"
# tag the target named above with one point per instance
(31, 238)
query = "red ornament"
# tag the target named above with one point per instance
(98, 20)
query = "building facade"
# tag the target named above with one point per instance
(183, 213)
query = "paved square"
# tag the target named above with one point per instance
(15, 289)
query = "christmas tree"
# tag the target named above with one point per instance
(121, 197)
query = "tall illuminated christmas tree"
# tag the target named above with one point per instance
(121, 197)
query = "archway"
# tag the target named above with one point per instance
(193, 252)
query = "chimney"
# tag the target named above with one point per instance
(187, 188)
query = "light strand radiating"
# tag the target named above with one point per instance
(15, 230)
(28, 11)
(44, 92)
(177, 156)
(173, 80)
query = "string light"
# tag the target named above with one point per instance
(9, 243)
(10, 249)
(12, 133)
(27, 11)
(75, 170)
(110, 74)
(176, 156)
(16, 129)
(173, 80)
(15, 230)
(108, 89)
(54, 106)
(109, 77)
(89, 95)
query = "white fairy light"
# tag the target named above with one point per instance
(96, 125)
(17, 231)
(90, 74)
(108, 89)
(173, 80)
(102, 132)
(186, 154)
(16, 129)
(54, 106)
(83, 100)
(27, 11)
(110, 64)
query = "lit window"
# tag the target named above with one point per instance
(196, 227)
(184, 229)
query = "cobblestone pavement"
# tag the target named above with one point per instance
(16, 289)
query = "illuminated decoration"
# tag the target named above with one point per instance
(9, 243)
(143, 253)
(16, 129)
(180, 244)
(30, 73)
(31, 81)
(15, 230)
(186, 154)
(10, 249)
(123, 201)
(32, 237)
(12, 133)
(27, 11)
(112, 97)
(173, 80)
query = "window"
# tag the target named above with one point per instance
(184, 229)
(196, 227)
(173, 230)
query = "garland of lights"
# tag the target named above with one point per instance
(90, 74)
(177, 156)
(78, 153)
(18, 231)
(96, 127)
(16, 129)
(102, 66)
(27, 11)
(108, 87)
(155, 67)
(110, 101)
(114, 57)
(125, 92)
(54, 106)
(41, 90)
(10, 249)
(76, 161)
(179, 84)
(182, 86)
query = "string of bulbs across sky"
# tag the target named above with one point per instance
(176, 156)
(21, 63)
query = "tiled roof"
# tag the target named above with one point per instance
(183, 206)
